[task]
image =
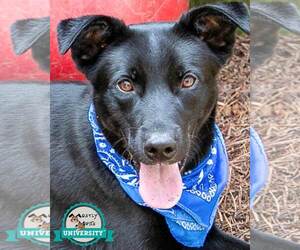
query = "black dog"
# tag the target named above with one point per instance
(154, 90)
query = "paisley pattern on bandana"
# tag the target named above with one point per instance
(190, 220)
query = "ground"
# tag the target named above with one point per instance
(233, 119)
(272, 108)
(275, 99)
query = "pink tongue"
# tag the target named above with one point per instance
(160, 185)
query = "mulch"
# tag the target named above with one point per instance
(233, 120)
(275, 108)
(275, 115)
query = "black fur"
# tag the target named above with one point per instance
(155, 58)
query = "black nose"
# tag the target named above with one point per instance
(160, 148)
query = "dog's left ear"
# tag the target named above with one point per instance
(216, 24)
(34, 34)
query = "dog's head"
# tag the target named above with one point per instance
(74, 218)
(154, 84)
(37, 219)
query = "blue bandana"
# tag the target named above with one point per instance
(258, 165)
(190, 220)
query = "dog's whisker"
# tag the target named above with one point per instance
(119, 141)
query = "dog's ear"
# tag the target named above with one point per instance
(266, 21)
(33, 34)
(25, 33)
(216, 24)
(280, 14)
(88, 36)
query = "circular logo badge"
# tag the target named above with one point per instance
(34, 224)
(84, 224)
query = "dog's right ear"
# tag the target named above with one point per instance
(266, 21)
(280, 14)
(88, 36)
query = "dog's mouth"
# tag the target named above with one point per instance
(160, 184)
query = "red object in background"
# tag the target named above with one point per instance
(22, 67)
(130, 11)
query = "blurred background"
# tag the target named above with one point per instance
(24, 113)
(274, 113)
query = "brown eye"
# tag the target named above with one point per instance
(188, 81)
(125, 86)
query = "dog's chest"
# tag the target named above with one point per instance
(78, 176)
(134, 227)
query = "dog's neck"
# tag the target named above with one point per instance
(199, 147)
(202, 143)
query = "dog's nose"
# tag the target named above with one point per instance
(160, 148)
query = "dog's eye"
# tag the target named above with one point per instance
(125, 86)
(188, 81)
